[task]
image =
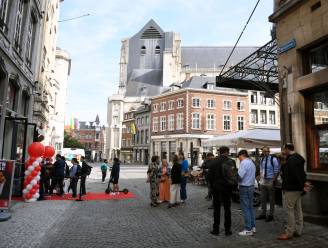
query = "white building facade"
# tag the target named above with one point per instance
(59, 92)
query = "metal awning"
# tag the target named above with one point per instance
(259, 71)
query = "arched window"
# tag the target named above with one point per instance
(143, 50)
(157, 50)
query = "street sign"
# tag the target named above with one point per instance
(287, 46)
(6, 182)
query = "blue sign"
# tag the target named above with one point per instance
(287, 46)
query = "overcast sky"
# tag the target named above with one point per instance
(94, 41)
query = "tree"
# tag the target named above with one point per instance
(71, 142)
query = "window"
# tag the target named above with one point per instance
(162, 106)
(271, 101)
(142, 133)
(226, 105)
(171, 122)
(157, 50)
(263, 117)
(171, 105)
(226, 123)
(254, 117)
(254, 97)
(180, 103)
(211, 103)
(147, 136)
(123, 143)
(142, 121)
(138, 121)
(317, 134)
(147, 120)
(30, 40)
(155, 108)
(195, 102)
(155, 124)
(262, 99)
(12, 96)
(272, 118)
(163, 123)
(25, 103)
(318, 58)
(143, 50)
(19, 24)
(240, 106)
(240, 123)
(210, 122)
(180, 121)
(195, 121)
(3, 15)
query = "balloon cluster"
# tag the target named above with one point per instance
(33, 170)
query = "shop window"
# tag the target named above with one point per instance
(317, 131)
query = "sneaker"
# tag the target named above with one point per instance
(254, 230)
(245, 233)
(228, 233)
(103, 182)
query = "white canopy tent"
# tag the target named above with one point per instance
(248, 139)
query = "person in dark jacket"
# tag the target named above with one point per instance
(223, 178)
(175, 182)
(85, 171)
(293, 183)
(115, 175)
(205, 167)
(58, 176)
(74, 176)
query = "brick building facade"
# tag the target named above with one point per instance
(184, 116)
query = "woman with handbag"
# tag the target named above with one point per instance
(164, 184)
(152, 174)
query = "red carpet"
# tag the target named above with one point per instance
(92, 196)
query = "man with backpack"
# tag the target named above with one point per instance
(223, 179)
(269, 171)
(74, 173)
(85, 171)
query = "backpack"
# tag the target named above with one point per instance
(272, 157)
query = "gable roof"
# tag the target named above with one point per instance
(150, 31)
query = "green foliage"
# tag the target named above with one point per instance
(71, 142)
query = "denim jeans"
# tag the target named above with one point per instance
(246, 202)
(183, 190)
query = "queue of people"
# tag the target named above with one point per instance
(53, 176)
(168, 183)
(223, 177)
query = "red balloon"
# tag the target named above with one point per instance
(28, 196)
(36, 186)
(29, 179)
(49, 152)
(34, 173)
(38, 168)
(36, 149)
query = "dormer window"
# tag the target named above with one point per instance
(157, 50)
(143, 50)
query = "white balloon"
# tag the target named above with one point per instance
(37, 178)
(27, 172)
(39, 160)
(37, 195)
(28, 187)
(25, 191)
(30, 168)
(33, 182)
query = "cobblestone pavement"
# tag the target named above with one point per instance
(133, 223)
